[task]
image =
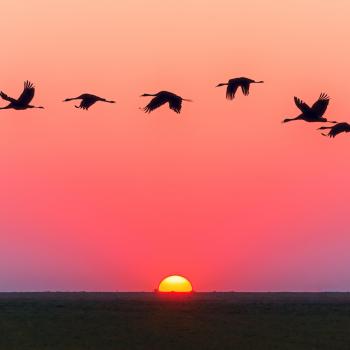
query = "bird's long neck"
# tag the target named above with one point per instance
(325, 127)
(258, 82)
(290, 119)
(72, 99)
(149, 94)
(7, 107)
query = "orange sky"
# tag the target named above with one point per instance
(114, 199)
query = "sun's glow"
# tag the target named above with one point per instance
(175, 283)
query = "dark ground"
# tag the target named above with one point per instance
(77, 321)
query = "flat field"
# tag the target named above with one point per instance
(99, 321)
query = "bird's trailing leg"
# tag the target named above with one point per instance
(30, 106)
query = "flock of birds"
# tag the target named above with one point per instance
(308, 114)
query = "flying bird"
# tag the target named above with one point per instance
(234, 84)
(87, 100)
(162, 97)
(336, 129)
(23, 101)
(312, 114)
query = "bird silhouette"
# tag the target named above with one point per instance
(312, 114)
(336, 129)
(87, 100)
(162, 97)
(23, 101)
(234, 84)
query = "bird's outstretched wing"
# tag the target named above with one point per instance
(301, 105)
(6, 98)
(231, 90)
(245, 88)
(156, 102)
(339, 128)
(335, 130)
(321, 104)
(86, 103)
(175, 104)
(27, 94)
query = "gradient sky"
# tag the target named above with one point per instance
(114, 199)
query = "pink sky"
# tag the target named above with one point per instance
(114, 199)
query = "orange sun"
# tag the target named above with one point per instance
(176, 284)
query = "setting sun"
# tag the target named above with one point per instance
(175, 283)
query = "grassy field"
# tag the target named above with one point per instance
(82, 321)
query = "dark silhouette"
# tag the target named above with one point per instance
(336, 129)
(23, 101)
(87, 100)
(162, 97)
(312, 114)
(234, 84)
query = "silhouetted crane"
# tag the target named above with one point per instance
(312, 114)
(336, 129)
(87, 100)
(234, 84)
(162, 97)
(23, 101)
